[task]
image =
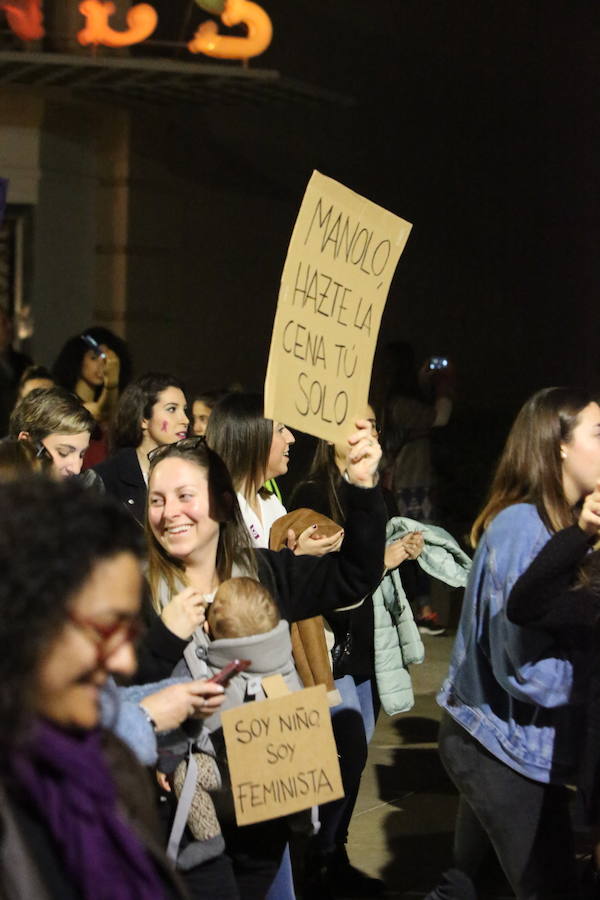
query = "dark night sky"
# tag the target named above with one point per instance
(477, 120)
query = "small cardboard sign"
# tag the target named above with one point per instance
(282, 755)
(340, 262)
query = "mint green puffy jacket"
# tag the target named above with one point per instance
(397, 640)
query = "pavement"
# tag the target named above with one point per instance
(403, 824)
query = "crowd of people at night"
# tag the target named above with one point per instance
(145, 543)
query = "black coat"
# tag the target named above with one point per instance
(303, 586)
(123, 479)
(544, 598)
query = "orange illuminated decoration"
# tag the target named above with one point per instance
(25, 18)
(207, 39)
(141, 20)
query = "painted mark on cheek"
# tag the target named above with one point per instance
(163, 427)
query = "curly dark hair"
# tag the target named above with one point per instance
(117, 345)
(67, 365)
(136, 404)
(52, 536)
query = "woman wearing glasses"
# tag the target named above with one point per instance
(75, 820)
(197, 539)
(152, 412)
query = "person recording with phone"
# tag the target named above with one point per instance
(413, 403)
(91, 371)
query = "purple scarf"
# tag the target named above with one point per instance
(66, 777)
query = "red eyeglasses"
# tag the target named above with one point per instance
(108, 638)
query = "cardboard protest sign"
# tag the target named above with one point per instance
(282, 755)
(340, 262)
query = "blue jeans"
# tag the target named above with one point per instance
(283, 886)
(353, 722)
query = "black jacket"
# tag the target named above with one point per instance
(123, 479)
(544, 598)
(303, 586)
(354, 652)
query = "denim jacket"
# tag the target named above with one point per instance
(511, 687)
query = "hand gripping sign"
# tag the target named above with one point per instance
(281, 753)
(340, 262)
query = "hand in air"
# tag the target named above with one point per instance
(364, 454)
(112, 369)
(589, 518)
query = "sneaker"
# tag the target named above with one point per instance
(429, 624)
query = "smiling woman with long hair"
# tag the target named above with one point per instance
(511, 731)
(255, 450)
(197, 539)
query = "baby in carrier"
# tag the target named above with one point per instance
(244, 623)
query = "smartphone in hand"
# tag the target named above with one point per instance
(227, 672)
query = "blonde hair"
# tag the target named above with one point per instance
(46, 411)
(242, 607)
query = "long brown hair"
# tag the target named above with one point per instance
(324, 469)
(530, 469)
(238, 431)
(234, 541)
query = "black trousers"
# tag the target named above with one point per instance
(525, 822)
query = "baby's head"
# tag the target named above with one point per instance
(242, 607)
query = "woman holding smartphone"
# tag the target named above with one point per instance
(91, 371)
(59, 427)
(197, 539)
(511, 728)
